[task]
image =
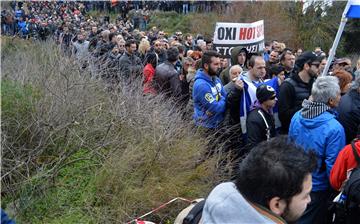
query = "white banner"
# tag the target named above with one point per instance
(230, 35)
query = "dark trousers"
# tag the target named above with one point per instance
(316, 211)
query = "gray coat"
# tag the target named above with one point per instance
(130, 66)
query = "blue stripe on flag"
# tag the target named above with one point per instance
(354, 10)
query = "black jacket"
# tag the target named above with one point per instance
(349, 114)
(130, 66)
(256, 126)
(292, 92)
(166, 80)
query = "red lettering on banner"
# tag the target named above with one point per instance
(249, 34)
(242, 33)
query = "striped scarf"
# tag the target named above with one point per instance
(312, 109)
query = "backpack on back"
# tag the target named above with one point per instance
(352, 191)
(347, 210)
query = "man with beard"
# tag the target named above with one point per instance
(272, 185)
(208, 93)
(297, 87)
(130, 65)
(160, 51)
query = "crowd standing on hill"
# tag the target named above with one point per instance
(242, 102)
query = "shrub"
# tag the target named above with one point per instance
(137, 150)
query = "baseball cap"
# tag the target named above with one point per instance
(265, 92)
(307, 57)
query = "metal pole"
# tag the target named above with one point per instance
(337, 39)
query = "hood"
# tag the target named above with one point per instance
(200, 74)
(225, 204)
(314, 114)
(235, 52)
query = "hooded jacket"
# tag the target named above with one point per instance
(209, 100)
(315, 128)
(225, 75)
(225, 204)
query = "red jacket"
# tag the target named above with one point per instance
(344, 163)
(149, 72)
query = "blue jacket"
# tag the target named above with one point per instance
(323, 134)
(209, 100)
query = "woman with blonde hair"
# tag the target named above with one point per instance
(144, 47)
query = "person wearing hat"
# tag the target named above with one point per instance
(297, 87)
(260, 121)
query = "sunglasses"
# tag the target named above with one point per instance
(344, 64)
(316, 64)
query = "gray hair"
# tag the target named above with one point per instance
(356, 83)
(325, 88)
(234, 67)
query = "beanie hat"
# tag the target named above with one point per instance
(306, 57)
(264, 92)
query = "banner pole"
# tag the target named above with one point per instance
(337, 39)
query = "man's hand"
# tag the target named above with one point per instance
(239, 84)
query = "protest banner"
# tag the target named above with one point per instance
(230, 35)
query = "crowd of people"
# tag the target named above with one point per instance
(245, 103)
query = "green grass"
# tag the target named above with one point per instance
(65, 200)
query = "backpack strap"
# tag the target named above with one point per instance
(266, 124)
(195, 214)
(356, 155)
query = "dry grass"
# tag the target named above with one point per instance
(141, 152)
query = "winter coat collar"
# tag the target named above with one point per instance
(312, 109)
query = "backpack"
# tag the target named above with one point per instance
(348, 210)
(192, 214)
